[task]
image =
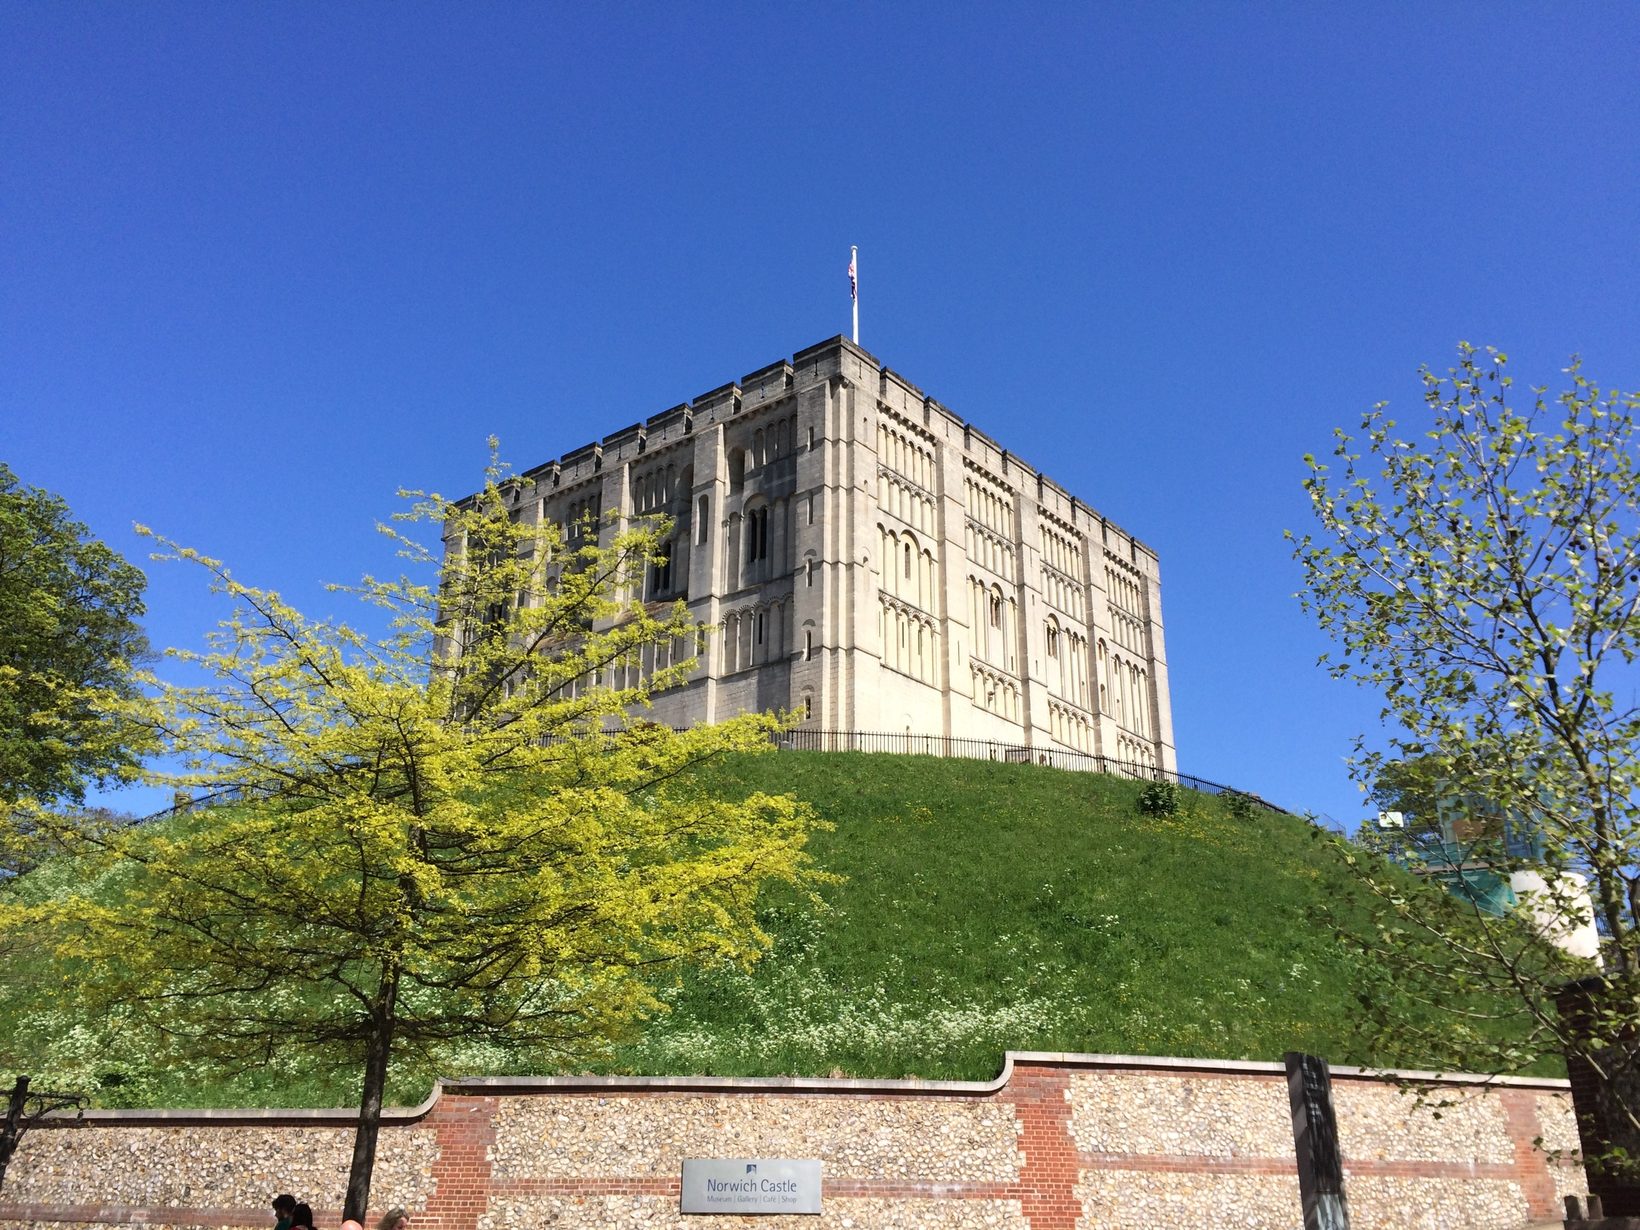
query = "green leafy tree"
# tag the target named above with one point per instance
(415, 857)
(1482, 571)
(69, 636)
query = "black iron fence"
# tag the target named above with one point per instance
(950, 747)
(806, 740)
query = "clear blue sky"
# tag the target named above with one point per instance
(262, 264)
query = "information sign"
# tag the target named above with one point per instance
(751, 1185)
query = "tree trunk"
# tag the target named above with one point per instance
(1607, 879)
(377, 1050)
(11, 1133)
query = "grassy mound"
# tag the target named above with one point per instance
(984, 907)
(992, 906)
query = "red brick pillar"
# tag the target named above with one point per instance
(465, 1129)
(1601, 1123)
(1048, 1178)
(1532, 1165)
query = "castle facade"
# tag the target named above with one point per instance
(871, 562)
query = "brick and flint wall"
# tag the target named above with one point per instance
(1058, 1142)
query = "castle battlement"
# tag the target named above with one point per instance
(872, 560)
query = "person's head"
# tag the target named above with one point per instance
(394, 1219)
(284, 1204)
(350, 1224)
(301, 1215)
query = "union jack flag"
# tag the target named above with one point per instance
(853, 284)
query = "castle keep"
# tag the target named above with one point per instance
(874, 563)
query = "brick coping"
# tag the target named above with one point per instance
(498, 1086)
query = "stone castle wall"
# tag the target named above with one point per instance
(869, 560)
(1057, 1143)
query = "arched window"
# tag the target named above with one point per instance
(1053, 639)
(757, 535)
(661, 573)
(703, 516)
(996, 608)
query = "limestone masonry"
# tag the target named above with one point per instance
(872, 562)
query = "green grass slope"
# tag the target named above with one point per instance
(982, 907)
(992, 906)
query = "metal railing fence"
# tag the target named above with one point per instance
(951, 747)
(807, 739)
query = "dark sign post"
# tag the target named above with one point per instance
(1315, 1138)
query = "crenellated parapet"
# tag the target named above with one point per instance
(866, 556)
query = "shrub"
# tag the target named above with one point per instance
(1159, 799)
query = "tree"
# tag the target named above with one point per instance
(69, 636)
(1483, 573)
(418, 859)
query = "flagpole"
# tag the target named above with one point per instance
(854, 288)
